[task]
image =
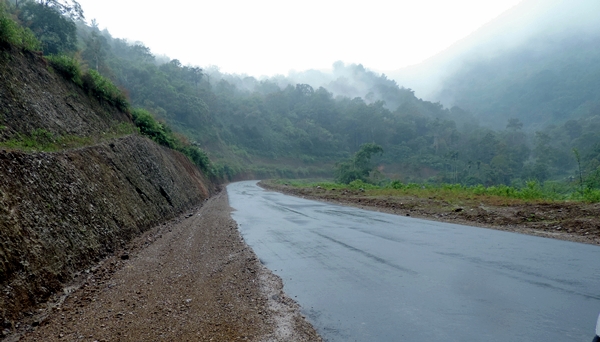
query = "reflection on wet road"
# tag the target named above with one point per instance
(368, 276)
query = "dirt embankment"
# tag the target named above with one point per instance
(577, 222)
(60, 212)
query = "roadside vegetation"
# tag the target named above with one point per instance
(532, 192)
(358, 173)
(14, 34)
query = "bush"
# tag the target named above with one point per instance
(104, 89)
(359, 166)
(198, 157)
(28, 41)
(396, 185)
(67, 66)
(359, 184)
(591, 195)
(13, 34)
(162, 134)
(151, 128)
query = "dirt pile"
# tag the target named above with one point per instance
(579, 222)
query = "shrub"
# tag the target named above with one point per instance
(591, 195)
(151, 128)
(396, 184)
(67, 66)
(197, 156)
(162, 134)
(359, 166)
(104, 89)
(8, 28)
(28, 41)
(13, 34)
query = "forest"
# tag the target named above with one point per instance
(310, 124)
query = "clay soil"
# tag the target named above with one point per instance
(578, 222)
(190, 279)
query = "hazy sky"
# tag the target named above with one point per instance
(260, 37)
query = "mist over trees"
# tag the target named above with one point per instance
(545, 82)
(304, 123)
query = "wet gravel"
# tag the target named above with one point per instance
(191, 279)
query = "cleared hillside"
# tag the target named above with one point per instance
(62, 211)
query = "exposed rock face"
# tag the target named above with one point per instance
(59, 212)
(32, 97)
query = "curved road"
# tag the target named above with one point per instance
(367, 276)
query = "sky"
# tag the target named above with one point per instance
(265, 38)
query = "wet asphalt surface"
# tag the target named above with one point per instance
(367, 276)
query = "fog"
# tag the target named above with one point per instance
(522, 49)
(346, 80)
(540, 22)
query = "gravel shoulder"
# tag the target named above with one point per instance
(571, 221)
(190, 279)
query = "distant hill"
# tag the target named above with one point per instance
(538, 62)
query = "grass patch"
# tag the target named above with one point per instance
(40, 140)
(533, 192)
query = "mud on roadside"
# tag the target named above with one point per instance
(578, 222)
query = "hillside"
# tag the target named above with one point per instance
(547, 81)
(62, 211)
(538, 63)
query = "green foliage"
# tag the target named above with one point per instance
(591, 195)
(277, 128)
(14, 34)
(151, 128)
(359, 166)
(163, 135)
(103, 89)
(543, 82)
(52, 23)
(67, 66)
(43, 140)
(532, 192)
(198, 157)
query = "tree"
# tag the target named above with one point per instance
(580, 173)
(96, 47)
(359, 166)
(53, 23)
(195, 75)
(514, 124)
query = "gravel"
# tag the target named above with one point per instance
(190, 279)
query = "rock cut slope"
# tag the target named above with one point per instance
(62, 211)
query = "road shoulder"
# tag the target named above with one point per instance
(190, 279)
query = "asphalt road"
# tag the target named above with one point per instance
(367, 276)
